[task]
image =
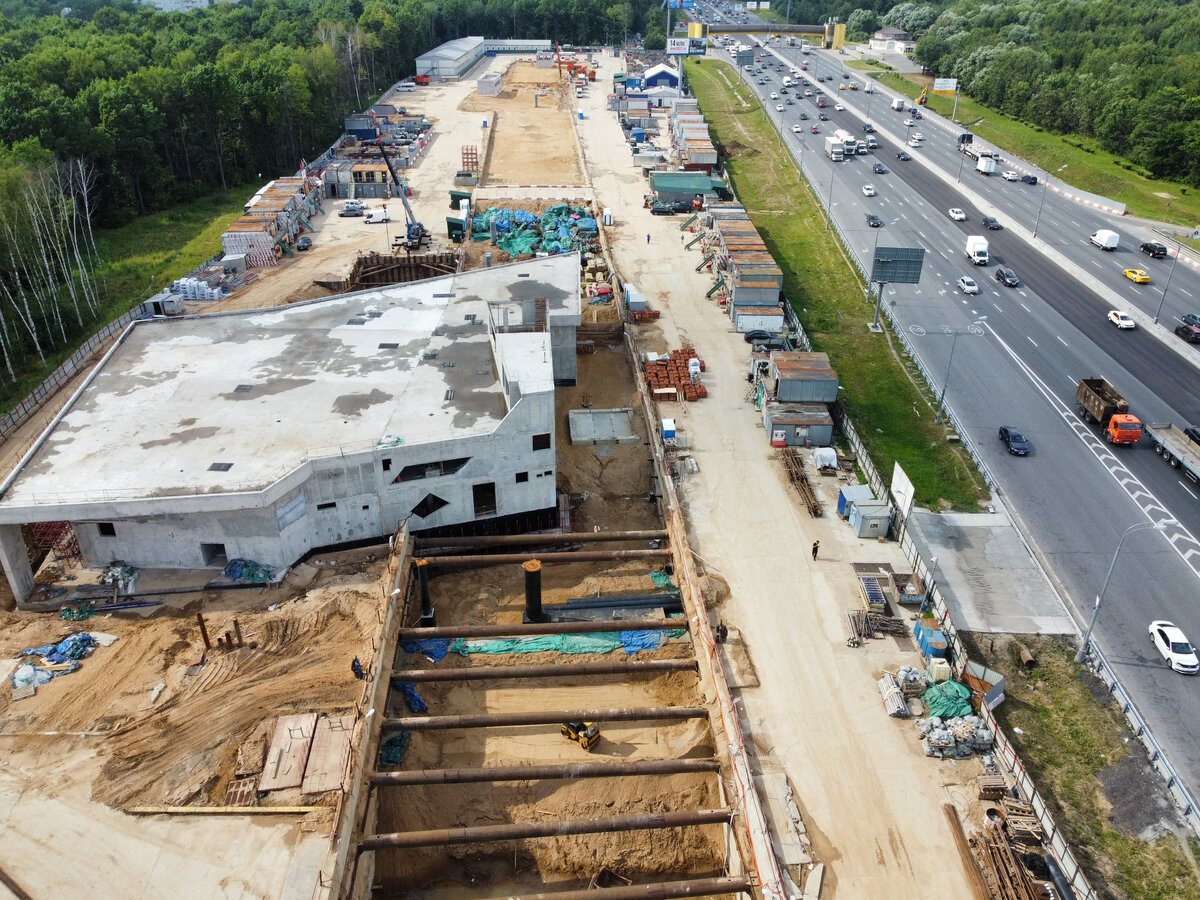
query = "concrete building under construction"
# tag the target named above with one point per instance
(267, 433)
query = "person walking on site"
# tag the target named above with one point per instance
(647, 239)
(816, 547)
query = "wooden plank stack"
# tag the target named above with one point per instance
(991, 787)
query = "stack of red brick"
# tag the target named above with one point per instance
(672, 372)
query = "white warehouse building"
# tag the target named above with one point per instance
(263, 434)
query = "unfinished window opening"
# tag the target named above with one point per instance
(485, 498)
(432, 469)
(214, 554)
(106, 529)
(541, 442)
(387, 465)
(326, 506)
(429, 505)
(522, 477)
(389, 345)
(220, 467)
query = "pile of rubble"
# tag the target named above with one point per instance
(955, 738)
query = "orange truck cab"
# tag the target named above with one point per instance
(1123, 428)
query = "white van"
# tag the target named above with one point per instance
(1105, 239)
(377, 216)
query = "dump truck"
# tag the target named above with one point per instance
(1174, 445)
(1103, 404)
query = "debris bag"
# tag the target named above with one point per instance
(27, 675)
(411, 698)
(76, 612)
(247, 570)
(663, 582)
(391, 751)
(73, 647)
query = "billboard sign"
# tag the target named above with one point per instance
(902, 490)
(945, 85)
(678, 46)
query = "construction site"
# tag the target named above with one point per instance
(660, 697)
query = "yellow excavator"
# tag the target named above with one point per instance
(924, 96)
(586, 734)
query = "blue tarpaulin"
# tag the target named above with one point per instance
(411, 698)
(434, 648)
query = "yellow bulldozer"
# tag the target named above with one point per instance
(586, 734)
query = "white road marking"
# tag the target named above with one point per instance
(998, 309)
(1026, 308)
(1031, 340)
(1186, 488)
(1061, 341)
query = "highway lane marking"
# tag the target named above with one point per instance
(998, 309)
(1024, 307)
(1182, 291)
(1189, 490)
(1031, 340)
(1180, 539)
(1061, 341)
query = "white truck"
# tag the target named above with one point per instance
(977, 250)
(868, 88)
(1177, 447)
(985, 165)
(898, 104)
(835, 149)
(1105, 239)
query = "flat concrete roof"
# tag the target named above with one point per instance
(257, 392)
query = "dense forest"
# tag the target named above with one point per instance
(109, 110)
(1124, 74)
(167, 106)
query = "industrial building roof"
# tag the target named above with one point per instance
(692, 182)
(799, 364)
(233, 401)
(452, 50)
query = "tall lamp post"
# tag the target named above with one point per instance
(1137, 526)
(1045, 191)
(946, 381)
(1163, 298)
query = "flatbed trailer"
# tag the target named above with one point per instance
(1173, 445)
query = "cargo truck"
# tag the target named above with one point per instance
(1173, 444)
(985, 165)
(834, 149)
(1103, 404)
(977, 250)
(898, 104)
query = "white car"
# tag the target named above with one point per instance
(868, 190)
(839, 107)
(916, 145)
(774, 96)
(909, 123)
(796, 129)
(967, 285)
(1121, 320)
(778, 107)
(917, 136)
(958, 215)
(807, 92)
(1175, 648)
(1010, 176)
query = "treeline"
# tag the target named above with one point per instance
(1126, 74)
(109, 110)
(170, 106)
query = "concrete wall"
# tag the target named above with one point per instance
(348, 498)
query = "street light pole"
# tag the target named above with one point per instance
(1137, 526)
(1163, 299)
(945, 381)
(1045, 191)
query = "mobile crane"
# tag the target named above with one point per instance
(416, 234)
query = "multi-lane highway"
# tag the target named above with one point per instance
(1074, 496)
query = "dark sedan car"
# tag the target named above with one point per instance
(305, 243)
(1189, 333)
(992, 222)
(1007, 277)
(879, 168)
(1029, 179)
(1015, 441)
(350, 211)
(1154, 249)
(823, 117)
(757, 337)
(903, 156)
(873, 221)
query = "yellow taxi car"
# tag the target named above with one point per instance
(1137, 276)
(842, 87)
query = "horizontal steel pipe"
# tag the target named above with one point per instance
(521, 629)
(539, 540)
(459, 562)
(650, 601)
(485, 774)
(696, 887)
(479, 673)
(553, 717)
(442, 837)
